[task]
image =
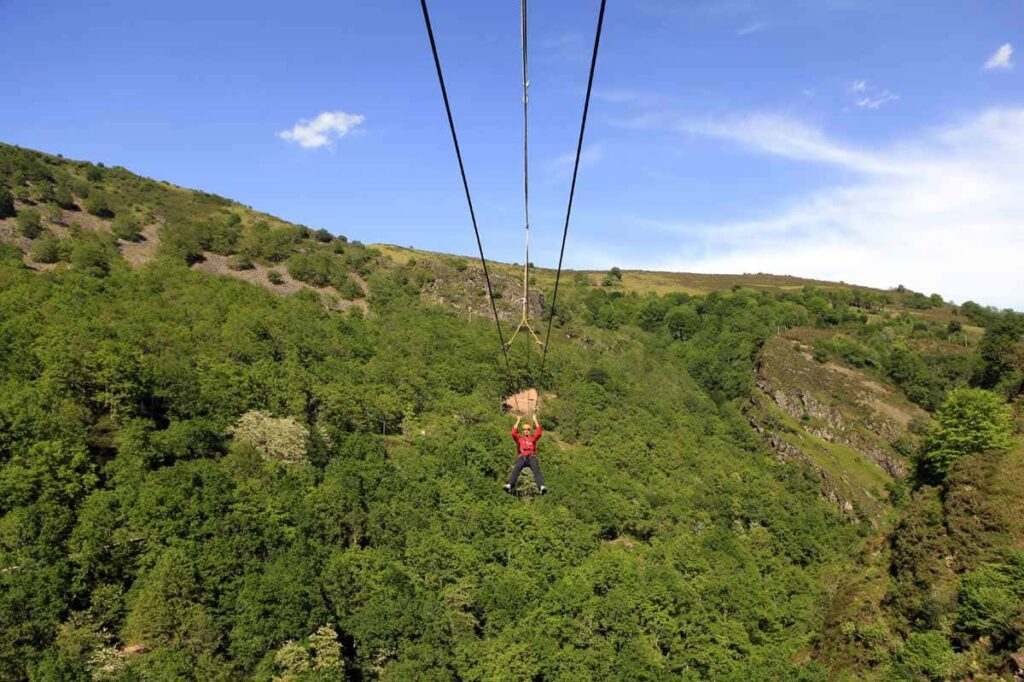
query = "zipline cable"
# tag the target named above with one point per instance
(526, 184)
(465, 185)
(572, 187)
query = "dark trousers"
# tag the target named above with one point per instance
(531, 462)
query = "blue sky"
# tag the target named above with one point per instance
(868, 141)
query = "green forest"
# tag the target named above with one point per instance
(298, 476)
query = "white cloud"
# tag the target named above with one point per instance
(867, 96)
(941, 212)
(1001, 58)
(322, 130)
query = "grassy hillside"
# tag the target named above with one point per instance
(207, 474)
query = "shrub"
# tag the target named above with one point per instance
(224, 234)
(992, 600)
(97, 204)
(94, 174)
(54, 215)
(63, 198)
(45, 250)
(9, 253)
(313, 268)
(241, 262)
(925, 656)
(6, 203)
(90, 257)
(125, 227)
(275, 277)
(80, 188)
(29, 223)
(349, 288)
(324, 236)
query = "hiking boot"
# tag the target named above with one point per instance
(543, 490)
(507, 488)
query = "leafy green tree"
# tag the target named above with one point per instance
(682, 322)
(971, 420)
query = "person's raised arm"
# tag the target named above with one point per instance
(539, 430)
(515, 429)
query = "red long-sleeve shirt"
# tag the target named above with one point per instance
(527, 444)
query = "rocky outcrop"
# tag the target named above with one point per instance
(841, 421)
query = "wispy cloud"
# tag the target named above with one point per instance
(569, 46)
(562, 165)
(940, 211)
(323, 129)
(1001, 58)
(867, 96)
(751, 28)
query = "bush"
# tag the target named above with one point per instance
(349, 288)
(45, 250)
(125, 227)
(98, 205)
(94, 174)
(80, 188)
(29, 223)
(54, 215)
(224, 234)
(313, 268)
(9, 253)
(324, 236)
(63, 198)
(992, 600)
(275, 277)
(925, 656)
(6, 203)
(241, 262)
(90, 257)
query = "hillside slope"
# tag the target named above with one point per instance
(205, 479)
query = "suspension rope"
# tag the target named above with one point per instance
(526, 182)
(465, 186)
(572, 187)
(524, 320)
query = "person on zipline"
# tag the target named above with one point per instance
(527, 443)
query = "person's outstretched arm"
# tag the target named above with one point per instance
(515, 429)
(540, 429)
